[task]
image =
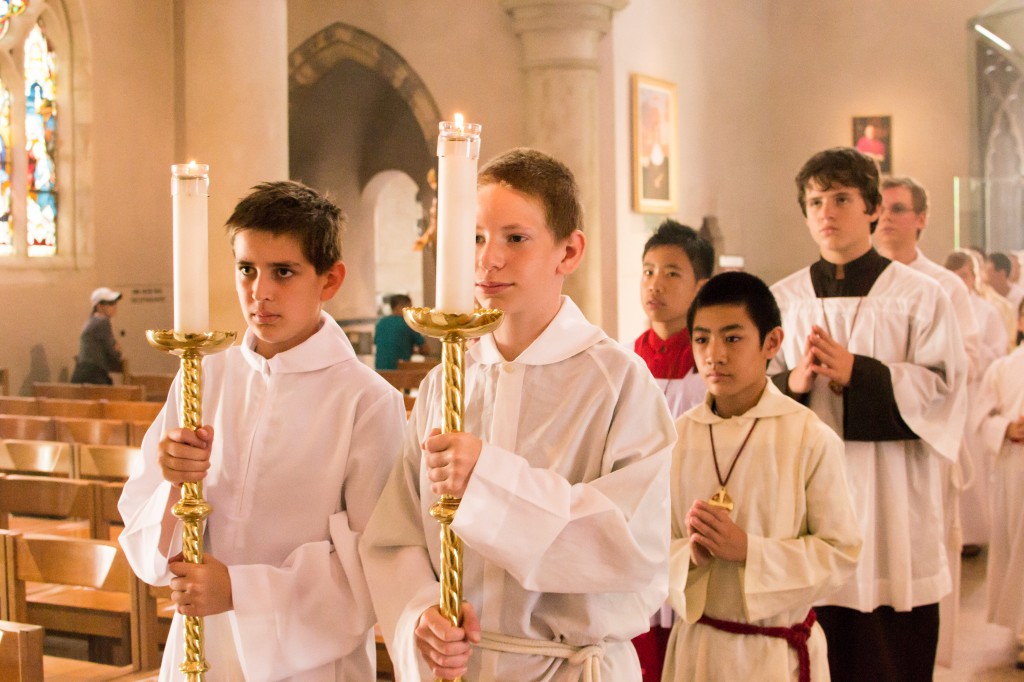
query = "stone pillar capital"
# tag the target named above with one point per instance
(561, 32)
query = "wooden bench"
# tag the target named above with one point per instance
(95, 594)
(154, 386)
(18, 405)
(107, 462)
(91, 431)
(130, 410)
(21, 652)
(37, 457)
(69, 407)
(42, 504)
(5, 381)
(26, 427)
(405, 380)
(87, 391)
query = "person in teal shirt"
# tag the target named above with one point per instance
(394, 339)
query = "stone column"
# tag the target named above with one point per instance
(560, 59)
(231, 94)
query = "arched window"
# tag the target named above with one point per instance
(33, 88)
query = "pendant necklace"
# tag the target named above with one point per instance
(834, 385)
(721, 498)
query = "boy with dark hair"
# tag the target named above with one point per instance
(281, 586)
(875, 350)
(676, 263)
(561, 470)
(394, 339)
(762, 523)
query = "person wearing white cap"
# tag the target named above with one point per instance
(98, 352)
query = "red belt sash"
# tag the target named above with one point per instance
(796, 636)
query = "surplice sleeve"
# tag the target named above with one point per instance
(151, 534)
(784, 573)
(930, 386)
(987, 415)
(315, 608)
(395, 556)
(606, 535)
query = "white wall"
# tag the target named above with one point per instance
(763, 86)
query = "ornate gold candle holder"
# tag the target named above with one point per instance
(453, 329)
(192, 509)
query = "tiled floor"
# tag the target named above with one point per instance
(983, 652)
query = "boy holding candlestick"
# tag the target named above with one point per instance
(281, 586)
(762, 523)
(562, 469)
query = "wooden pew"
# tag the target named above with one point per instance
(130, 410)
(154, 386)
(21, 652)
(66, 391)
(69, 407)
(26, 427)
(92, 431)
(108, 602)
(107, 462)
(43, 504)
(405, 380)
(5, 381)
(36, 457)
(422, 365)
(18, 405)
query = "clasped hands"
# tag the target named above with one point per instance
(714, 534)
(822, 355)
(197, 589)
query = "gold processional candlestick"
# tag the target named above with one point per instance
(192, 510)
(453, 330)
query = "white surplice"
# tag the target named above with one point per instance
(303, 444)
(565, 519)
(1000, 401)
(908, 324)
(954, 474)
(791, 498)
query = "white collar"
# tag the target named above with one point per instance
(327, 346)
(772, 403)
(568, 334)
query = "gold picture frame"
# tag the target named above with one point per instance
(655, 155)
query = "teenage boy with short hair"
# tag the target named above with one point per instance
(874, 348)
(562, 470)
(676, 263)
(743, 576)
(292, 483)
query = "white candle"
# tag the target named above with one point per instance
(458, 153)
(190, 191)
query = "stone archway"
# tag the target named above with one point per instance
(338, 42)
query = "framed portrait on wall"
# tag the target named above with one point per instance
(872, 135)
(655, 150)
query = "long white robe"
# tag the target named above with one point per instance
(954, 473)
(908, 324)
(974, 511)
(791, 498)
(303, 444)
(1001, 400)
(565, 519)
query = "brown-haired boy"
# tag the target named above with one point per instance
(562, 470)
(873, 347)
(292, 483)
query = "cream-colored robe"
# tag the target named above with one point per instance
(1000, 401)
(791, 498)
(302, 446)
(565, 519)
(907, 323)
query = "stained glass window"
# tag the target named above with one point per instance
(40, 143)
(9, 9)
(6, 224)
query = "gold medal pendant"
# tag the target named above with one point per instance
(721, 499)
(835, 387)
